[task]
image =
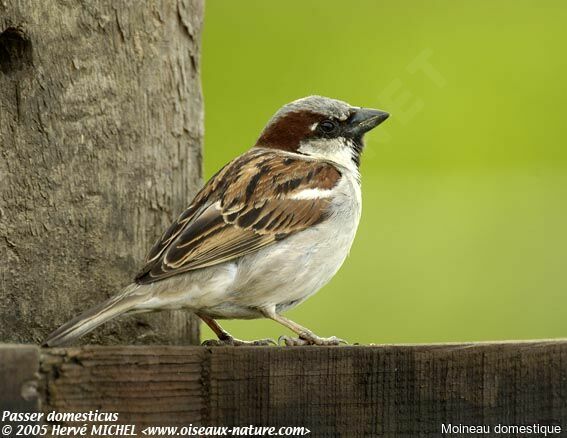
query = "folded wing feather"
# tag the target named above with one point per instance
(246, 206)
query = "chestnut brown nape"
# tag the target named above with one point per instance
(289, 130)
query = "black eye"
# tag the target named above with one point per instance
(327, 126)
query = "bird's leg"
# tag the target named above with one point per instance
(225, 338)
(306, 336)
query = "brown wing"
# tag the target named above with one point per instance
(248, 205)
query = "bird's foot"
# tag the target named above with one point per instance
(310, 339)
(230, 341)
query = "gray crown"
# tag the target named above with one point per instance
(317, 104)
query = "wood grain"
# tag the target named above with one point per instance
(19, 380)
(101, 124)
(383, 391)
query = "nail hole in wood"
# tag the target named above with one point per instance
(15, 50)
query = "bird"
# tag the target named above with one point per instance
(265, 233)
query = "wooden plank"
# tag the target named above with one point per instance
(145, 385)
(389, 391)
(19, 366)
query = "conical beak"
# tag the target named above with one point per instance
(365, 119)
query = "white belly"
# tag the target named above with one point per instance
(287, 273)
(281, 275)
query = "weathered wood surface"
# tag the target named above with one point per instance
(384, 391)
(19, 380)
(100, 149)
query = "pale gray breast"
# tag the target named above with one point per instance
(298, 266)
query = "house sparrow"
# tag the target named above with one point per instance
(264, 234)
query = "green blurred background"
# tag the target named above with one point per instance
(464, 228)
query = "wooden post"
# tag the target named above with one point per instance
(100, 149)
(386, 391)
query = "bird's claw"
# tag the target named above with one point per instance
(310, 339)
(237, 342)
(291, 342)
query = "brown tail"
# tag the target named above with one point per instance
(92, 318)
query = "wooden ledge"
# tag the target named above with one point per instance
(390, 390)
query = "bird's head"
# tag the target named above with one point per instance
(321, 127)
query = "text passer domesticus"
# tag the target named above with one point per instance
(265, 233)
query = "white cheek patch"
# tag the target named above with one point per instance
(337, 150)
(312, 194)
